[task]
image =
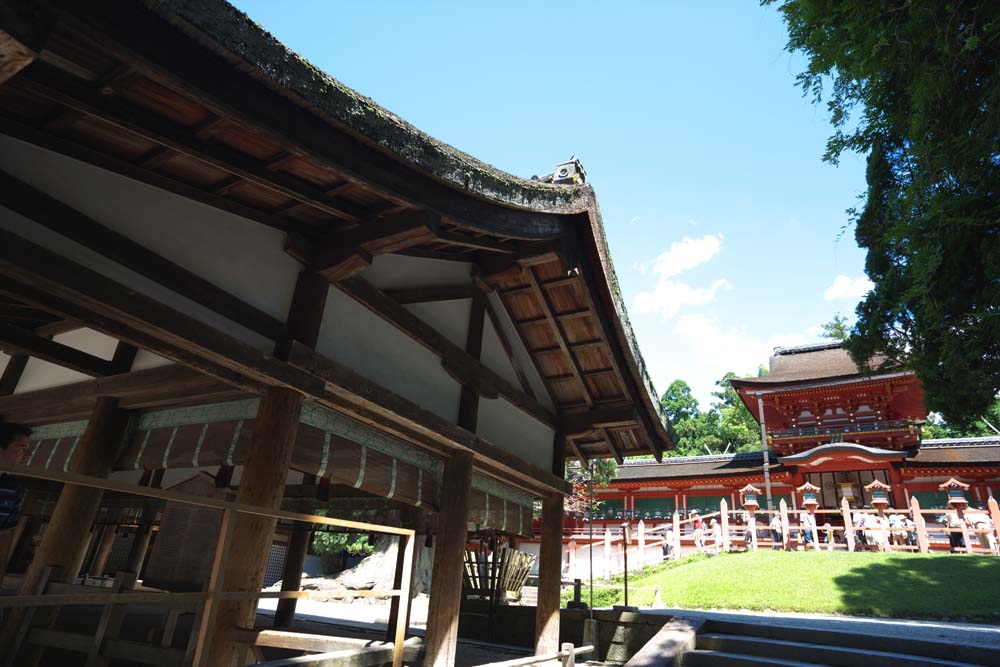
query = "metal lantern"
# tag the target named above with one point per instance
(808, 493)
(956, 492)
(879, 492)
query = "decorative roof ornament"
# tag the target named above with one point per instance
(879, 492)
(808, 492)
(956, 492)
(570, 172)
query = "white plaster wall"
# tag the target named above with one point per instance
(39, 374)
(145, 359)
(495, 357)
(356, 337)
(515, 431)
(393, 271)
(240, 256)
(3, 362)
(450, 318)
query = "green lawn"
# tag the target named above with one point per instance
(896, 585)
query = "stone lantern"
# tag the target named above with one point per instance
(808, 492)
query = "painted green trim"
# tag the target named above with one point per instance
(199, 414)
(497, 489)
(329, 421)
(60, 430)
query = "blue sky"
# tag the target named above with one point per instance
(726, 228)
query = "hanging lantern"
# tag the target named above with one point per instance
(879, 492)
(748, 495)
(956, 493)
(808, 492)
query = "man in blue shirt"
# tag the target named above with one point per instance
(14, 444)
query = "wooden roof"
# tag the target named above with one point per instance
(196, 99)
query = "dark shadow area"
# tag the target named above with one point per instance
(952, 587)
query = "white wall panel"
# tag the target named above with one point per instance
(450, 318)
(513, 430)
(356, 337)
(392, 271)
(240, 256)
(40, 374)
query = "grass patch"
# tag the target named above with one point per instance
(866, 584)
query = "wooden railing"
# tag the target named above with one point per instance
(567, 655)
(975, 531)
(104, 644)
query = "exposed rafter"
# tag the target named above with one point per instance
(14, 340)
(605, 416)
(407, 295)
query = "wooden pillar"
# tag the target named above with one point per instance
(106, 541)
(449, 562)
(291, 576)
(67, 535)
(923, 544)
(549, 576)
(642, 544)
(994, 510)
(607, 553)
(845, 509)
(262, 484)
(140, 543)
(898, 487)
(724, 521)
(786, 534)
(677, 536)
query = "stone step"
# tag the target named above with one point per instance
(839, 656)
(940, 650)
(701, 658)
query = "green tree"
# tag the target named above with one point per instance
(678, 403)
(988, 424)
(915, 86)
(738, 430)
(837, 328)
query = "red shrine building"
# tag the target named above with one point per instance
(828, 423)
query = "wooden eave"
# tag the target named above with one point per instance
(153, 97)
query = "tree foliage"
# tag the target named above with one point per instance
(915, 86)
(353, 544)
(837, 328)
(598, 472)
(727, 426)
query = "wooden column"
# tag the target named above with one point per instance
(449, 562)
(291, 576)
(845, 509)
(724, 522)
(140, 543)
(923, 545)
(262, 484)
(67, 535)
(549, 576)
(107, 540)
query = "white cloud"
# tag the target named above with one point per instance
(844, 287)
(670, 295)
(712, 349)
(687, 254)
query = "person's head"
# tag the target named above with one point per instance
(14, 440)
(694, 513)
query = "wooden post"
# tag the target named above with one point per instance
(18, 626)
(66, 536)
(785, 532)
(549, 575)
(449, 562)
(966, 535)
(814, 529)
(262, 484)
(572, 548)
(291, 576)
(845, 508)
(405, 584)
(205, 621)
(677, 536)
(724, 521)
(568, 657)
(107, 540)
(607, 553)
(923, 545)
(140, 543)
(752, 525)
(642, 544)
(995, 516)
(110, 622)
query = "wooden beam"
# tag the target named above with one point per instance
(67, 221)
(38, 276)
(136, 172)
(48, 82)
(475, 242)
(12, 374)
(604, 416)
(562, 339)
(262, 484)
(305, 315)
(549, 576)
(615, 449)
(381, 401)
(16, 340)
(508, 349)
(408, 295)
(468, 406)
(67, 536)
(449, 564)
(150, 388)
(457, 361)
(345, 253)
(23, 33)
(145, 41)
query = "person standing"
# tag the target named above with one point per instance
(14, 444)
(699, 530)
(776, 533)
